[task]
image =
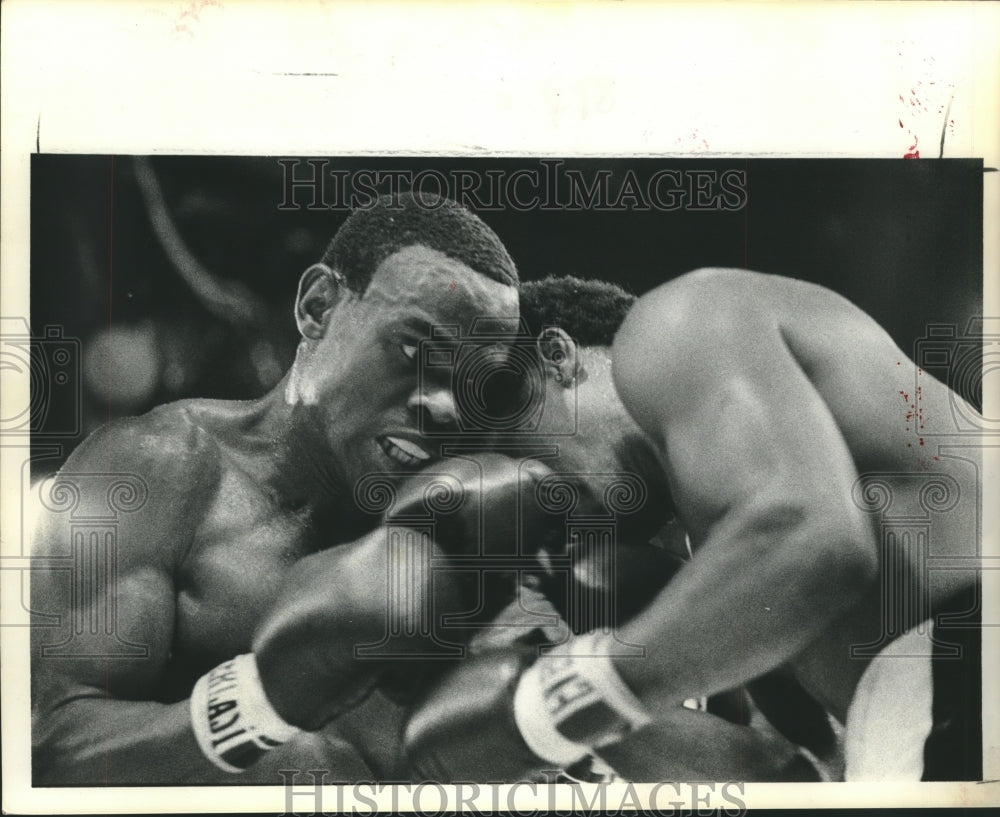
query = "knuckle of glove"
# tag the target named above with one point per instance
(496, 510)
(304, 645)
(464, 727)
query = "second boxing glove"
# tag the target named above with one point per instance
(511, 715)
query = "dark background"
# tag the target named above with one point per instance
(902, 239)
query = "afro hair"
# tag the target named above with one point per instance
(590, 311)
(392, 222)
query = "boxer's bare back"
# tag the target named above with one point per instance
(787, 393)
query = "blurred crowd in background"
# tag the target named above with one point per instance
(177, 275)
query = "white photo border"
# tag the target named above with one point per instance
(517, 79)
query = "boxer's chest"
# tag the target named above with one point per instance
(237, 561)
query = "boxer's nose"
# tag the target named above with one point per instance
(435, 407)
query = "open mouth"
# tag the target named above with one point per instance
(403, 451)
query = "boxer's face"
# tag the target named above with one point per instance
(606, 442)
(594, 412)
(364, 376)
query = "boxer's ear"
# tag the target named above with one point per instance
(558, 351)
(319, 290)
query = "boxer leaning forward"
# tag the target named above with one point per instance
(780, 416)
(245, 503)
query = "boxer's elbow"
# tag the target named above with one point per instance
(845, 571)
(53, 763)
(830, 561)
(59, 744)
(45, 763)
(842, 561)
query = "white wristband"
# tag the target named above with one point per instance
(566, 705)
(233, 721)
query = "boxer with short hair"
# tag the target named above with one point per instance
(225, 580)
(769, 406)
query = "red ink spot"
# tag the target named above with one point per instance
(452, 285)
(912, 155)
(900, 121)
(921, 440)
(937, 459)
(897, 362)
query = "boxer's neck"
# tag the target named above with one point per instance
(288, 457)
(607, 438)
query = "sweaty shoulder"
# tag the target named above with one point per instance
(666, 343)
(164, 444)
(709, 301)
(706, 326)
(164, 459)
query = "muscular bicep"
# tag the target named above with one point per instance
(109, 624)
(740, 424)
(105, 550)
(759, 437)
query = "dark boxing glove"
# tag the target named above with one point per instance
(306, 667)
(485, 514)
(604, 586)
(484, 506)
(510, 715)
(465, 728)
(611, 561)
(502, 511)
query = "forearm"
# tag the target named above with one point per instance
(752, 597)
(91, 742)
(687, 745)
(96, 741)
